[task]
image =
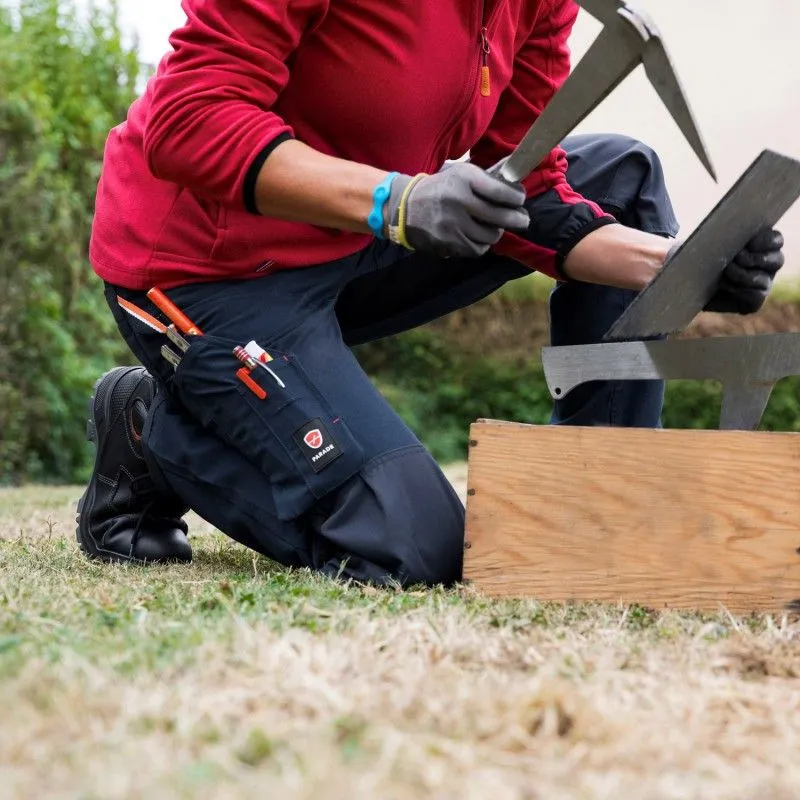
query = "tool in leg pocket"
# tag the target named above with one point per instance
(243, 375)
(173, 313)
(154, 324)
(262, 358)
(252, 356)
(170, 355)
(141, 315)
(177, 339)
(179, 321)
(245, 372)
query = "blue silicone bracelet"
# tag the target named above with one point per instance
(379, 197)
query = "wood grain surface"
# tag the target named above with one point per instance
(667, 519)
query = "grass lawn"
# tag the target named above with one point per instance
(234, 678)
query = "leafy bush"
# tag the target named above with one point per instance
(63, 84)
(440, 393)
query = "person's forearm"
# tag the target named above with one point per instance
(300, 184)
(618, 256)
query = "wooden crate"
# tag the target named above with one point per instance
(667, 519)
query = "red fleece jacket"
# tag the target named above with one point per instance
(396, 85)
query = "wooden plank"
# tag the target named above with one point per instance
(666, 519)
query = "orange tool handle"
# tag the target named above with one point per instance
(173, 313)
(244, 376)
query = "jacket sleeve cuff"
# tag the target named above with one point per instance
(251, 176)
(560, 219)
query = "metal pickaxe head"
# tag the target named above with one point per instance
(639, 36)
(629, 38)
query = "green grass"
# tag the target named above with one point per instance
(52, 600)
(232, 674)
(58, 602)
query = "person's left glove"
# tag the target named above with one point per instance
(747, 280)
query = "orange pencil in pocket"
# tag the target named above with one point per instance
(244, 376)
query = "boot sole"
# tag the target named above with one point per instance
(86, 542)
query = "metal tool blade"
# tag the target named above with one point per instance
(612, 57)
(176, 339)
(664, 78)
(680, 291)
(603, 10)
(629, 38)
(743, 405)
(747, 366)
(170, 355)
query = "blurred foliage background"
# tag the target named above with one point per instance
(65, 80)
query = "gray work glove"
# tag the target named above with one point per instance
(459, 211)
(747, 280)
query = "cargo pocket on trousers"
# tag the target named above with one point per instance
(293, 436)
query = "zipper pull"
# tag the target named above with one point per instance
(486, 75)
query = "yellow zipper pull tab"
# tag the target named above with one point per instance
(486, 75)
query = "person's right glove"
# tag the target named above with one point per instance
(747, 280)
(459, 211)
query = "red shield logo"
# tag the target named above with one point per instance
(313, 439)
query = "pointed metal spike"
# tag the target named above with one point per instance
(665, 80)
(743, 406)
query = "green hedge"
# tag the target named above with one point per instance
(439, 393)
(65, 80)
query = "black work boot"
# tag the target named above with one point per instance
(122, 516)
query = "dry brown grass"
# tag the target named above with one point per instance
(234, 679)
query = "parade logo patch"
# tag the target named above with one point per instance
(317, 444)
(314, 439)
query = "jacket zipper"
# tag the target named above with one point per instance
(482, 62)
(486, 50)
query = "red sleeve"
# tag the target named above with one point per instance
(209, 122)
(541, 66)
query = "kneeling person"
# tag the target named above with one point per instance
(276, 202)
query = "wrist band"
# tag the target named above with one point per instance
(379, 196)
(397, 233)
